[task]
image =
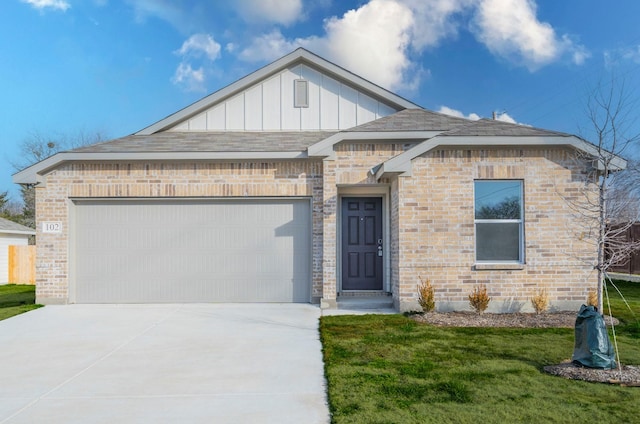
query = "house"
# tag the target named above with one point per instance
(11, 234)
(303, 182)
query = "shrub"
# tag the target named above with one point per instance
(426, 295)
(479, 299)
(592, 298)
(540, 300)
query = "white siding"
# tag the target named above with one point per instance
(329, 104)
(271, 96)
(290, 114)
(348, 107)
(268, 106)
(367, 108)
(216, 117)
(253, 109)
(310, 119)
(235, 113)
(7, 240)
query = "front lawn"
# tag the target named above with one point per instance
(16, 299)
(390, 369)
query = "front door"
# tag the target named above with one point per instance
(361, 243)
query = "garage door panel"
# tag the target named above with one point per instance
(195, 251)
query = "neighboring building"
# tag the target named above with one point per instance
(302, 182)
(11, 234)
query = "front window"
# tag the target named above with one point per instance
(498, 221)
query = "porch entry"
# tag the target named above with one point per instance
(362, 243)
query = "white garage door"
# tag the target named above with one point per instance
(139, 251)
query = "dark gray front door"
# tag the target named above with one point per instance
(361, 243)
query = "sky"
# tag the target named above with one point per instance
(113, 67)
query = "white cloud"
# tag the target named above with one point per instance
(511, 29)
(436, 20)
(270, 46)
(380, 39)
(53, 4)
(188, 78)
(283, 12)
(453, 112)
(200, 44)
(371, 41)
(504, 117)
(175, 13)
(201, 48)
(499, 116)
(617, 56)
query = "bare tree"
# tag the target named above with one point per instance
(609, 202)
(39, 146)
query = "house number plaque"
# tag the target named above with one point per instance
(52, 227)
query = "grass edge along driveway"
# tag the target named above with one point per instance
(16, 299)
(390, 369)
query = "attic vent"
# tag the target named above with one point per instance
(300, 93)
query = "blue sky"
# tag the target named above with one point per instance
(115, 67)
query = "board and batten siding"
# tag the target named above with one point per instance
(269, 106)
(7, 240)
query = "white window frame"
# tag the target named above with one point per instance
(520, 221)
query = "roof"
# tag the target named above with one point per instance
(412, 120)
(427, 129)
(172, 141)
(422, 125)
(298, 56)
(10, 227)
(490, 127)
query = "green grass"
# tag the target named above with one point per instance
(16, 299)
(390, 369)
(629, 318)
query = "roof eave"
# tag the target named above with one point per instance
(34, 174)
(325, 147)
(24, 233)
(401, 164)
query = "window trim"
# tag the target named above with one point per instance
(486, 264)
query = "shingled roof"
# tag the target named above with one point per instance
(426, 120)
(210, 142)
(412, 120)
(490, 127)
(11, 227)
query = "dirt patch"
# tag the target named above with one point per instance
(626, 376)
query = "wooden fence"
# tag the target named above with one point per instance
(22, 264)
(632, 266)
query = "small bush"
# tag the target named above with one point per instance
(592, 298)
(479, 299)
(426, 295)
(540, 301)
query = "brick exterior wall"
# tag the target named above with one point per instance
(300, 178)
(350, 166)
(430, 216)
(435, 210)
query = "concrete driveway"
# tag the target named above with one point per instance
(209, 363)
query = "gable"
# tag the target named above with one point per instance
(269, 105)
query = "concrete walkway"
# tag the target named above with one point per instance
(163, 364)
